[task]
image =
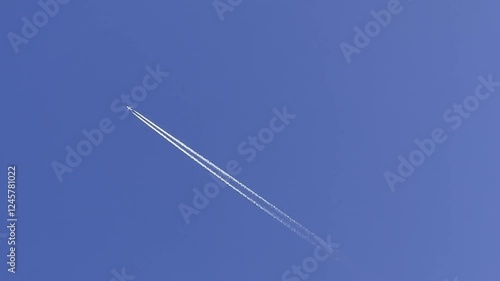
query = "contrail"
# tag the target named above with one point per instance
(233, 187)
(311, 236)
(287, 220)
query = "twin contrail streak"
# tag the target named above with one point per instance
(269, 208)
(212, 172)
(221, 171)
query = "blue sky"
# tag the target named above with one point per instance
(118, 209)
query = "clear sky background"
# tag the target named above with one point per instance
(119, 207)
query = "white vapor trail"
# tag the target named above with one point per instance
(229, 184)
(276, 209)
(271, 209)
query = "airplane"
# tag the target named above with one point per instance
(129, 108)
